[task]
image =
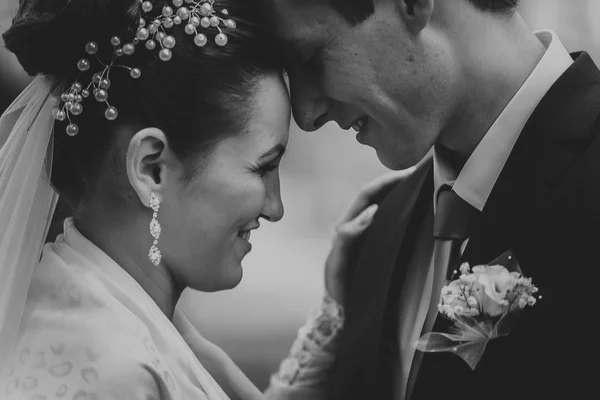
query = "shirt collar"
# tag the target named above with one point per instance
(476, 180)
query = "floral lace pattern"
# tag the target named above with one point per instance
(81, 366)
(313, 351)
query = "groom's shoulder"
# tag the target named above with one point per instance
(562, 140)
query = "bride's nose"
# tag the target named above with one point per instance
(273, 208)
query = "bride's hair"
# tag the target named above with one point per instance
(196, 98)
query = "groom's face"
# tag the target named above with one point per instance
(377, 71)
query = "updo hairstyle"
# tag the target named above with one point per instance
(200, 96)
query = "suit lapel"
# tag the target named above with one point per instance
(553, 139)
(360, 341)
(516, 214)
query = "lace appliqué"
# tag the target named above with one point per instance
(313, 351)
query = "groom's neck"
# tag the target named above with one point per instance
(497, 56)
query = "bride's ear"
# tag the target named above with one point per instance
(148, 156)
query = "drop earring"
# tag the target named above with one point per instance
(155, 230)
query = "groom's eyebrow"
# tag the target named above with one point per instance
(276, 150)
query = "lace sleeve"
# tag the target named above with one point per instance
(305, 372)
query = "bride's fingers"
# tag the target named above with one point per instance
(374, 189)
(357, 226)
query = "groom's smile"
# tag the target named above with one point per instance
(375, 66)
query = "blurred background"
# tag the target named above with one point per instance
(321, 173)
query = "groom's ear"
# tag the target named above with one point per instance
(415, 13)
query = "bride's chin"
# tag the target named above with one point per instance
(230, 277)
(234, 275)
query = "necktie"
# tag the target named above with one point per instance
(452, 220)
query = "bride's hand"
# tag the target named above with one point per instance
(356, 220)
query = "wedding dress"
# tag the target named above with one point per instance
(89, 329)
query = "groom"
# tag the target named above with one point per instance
(513, 121)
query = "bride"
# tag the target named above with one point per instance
(162, 125)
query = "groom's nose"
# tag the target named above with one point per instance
(309, 105)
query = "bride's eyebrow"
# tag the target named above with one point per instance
(276, 151)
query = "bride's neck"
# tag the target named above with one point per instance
(126, 240)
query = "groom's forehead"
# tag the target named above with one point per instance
(297, 22)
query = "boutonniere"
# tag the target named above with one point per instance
(484, 303)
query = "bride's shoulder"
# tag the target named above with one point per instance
(76, 340)
(73, 359)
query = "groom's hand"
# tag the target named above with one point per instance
(354, 223)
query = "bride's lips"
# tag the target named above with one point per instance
(244, 235)
(245, 242)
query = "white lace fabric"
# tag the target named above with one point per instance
(306, 370)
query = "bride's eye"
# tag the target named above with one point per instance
(264, 170)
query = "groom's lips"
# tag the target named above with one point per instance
(358, 122)
(362, 133)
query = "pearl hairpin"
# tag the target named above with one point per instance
(70, 101)
(197, 13)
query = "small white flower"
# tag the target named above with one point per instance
(525, 282)
(448, 311)
(472, 301)
(479, 269)
(531, 300)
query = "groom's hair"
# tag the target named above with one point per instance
(356, 11)
(498, 6)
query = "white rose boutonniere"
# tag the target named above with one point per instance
(484, 303)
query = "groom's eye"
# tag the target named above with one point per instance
(317, 56)
(302, 55)
(315, 60)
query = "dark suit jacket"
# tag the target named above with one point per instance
(545, 207)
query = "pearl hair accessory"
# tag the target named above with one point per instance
(195, 14)
(70, 101)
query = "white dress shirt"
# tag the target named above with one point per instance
(474, 184)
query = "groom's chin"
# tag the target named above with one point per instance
(387, 152)
(395, 162)
(398, 159)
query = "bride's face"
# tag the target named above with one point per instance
(207, 223)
